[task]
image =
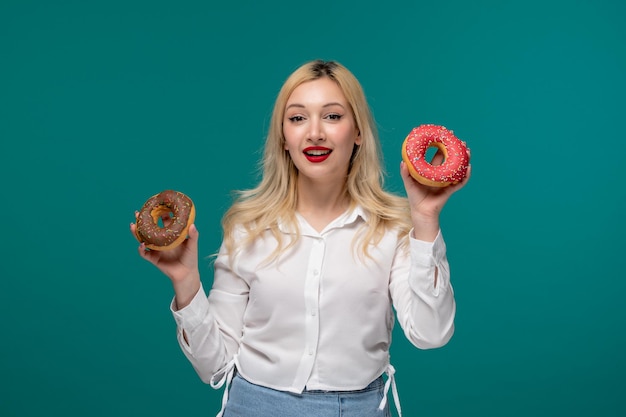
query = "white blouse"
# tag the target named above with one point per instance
(319, 317)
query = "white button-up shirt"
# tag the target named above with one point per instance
(319, 317)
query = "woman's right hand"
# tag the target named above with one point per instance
(180, 264)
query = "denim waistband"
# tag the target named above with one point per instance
(374, 385)
(226, 374)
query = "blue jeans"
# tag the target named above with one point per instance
(249, 400)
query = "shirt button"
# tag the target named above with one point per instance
(311, 351)
(316, 272)
(314, 313)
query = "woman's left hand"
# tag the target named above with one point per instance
(426, 202)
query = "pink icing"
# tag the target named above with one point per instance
(455, 165)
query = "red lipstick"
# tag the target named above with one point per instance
(316, 154)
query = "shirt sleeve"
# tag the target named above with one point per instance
(213, 325)
(422, 294)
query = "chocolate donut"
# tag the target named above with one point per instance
(182, 213)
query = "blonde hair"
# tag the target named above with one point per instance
(275, 198)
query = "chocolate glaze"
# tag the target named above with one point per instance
(148, 229)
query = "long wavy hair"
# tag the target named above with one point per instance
(274, 199)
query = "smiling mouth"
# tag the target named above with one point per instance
(316, 154)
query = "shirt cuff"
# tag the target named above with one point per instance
(428, 253)
(192, 315)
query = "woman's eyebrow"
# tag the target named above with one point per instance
(334, 103)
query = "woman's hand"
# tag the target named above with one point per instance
(180, 264)
(427, 202)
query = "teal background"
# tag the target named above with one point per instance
(103, 104)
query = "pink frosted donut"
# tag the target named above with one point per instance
(455, 153)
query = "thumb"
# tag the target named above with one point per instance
(193, 236)
(405, 174)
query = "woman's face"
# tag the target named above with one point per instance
(320, 131)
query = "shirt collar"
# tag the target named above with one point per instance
(350, 216)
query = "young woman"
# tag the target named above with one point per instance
(299, 318)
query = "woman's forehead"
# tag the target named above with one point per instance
(322, 91)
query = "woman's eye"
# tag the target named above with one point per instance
(296, 119)
(334, 116)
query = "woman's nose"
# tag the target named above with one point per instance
(316, 131)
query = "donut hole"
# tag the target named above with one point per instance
(432, 150)
(159, 213)
(160, 222)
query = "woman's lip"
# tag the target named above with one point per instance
(316, 154)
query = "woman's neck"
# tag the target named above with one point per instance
(321, 203)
